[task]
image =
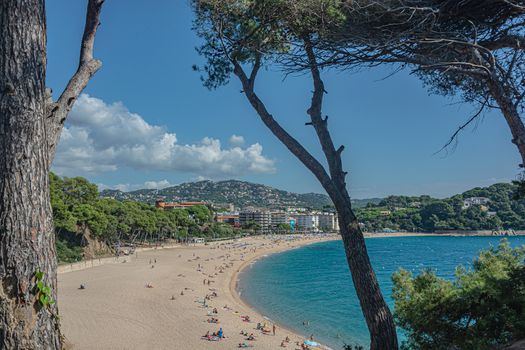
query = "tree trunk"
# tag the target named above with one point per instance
(377, 314)
(511, 114)
(27, 242)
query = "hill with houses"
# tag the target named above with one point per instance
(223, 193)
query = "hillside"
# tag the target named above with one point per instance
(87, 225)
(497, 210)
(239, 193)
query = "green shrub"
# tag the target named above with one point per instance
(482, 308)
(66, 253)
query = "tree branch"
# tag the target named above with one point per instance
(57, 112)
(289, 141)
(332, 155)
(464, 125)
(516, 42)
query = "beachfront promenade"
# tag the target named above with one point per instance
(143, 304)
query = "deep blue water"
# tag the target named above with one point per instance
(313, 282)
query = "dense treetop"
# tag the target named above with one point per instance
(482, 308)
(77, 207)
(427, 214)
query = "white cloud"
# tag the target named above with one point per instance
(122, 187)
(101, 137)
(149, 185)
(157, 184)
(236, 140)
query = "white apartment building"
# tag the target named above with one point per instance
(278, 217)
(308, 222)
(260, 217)
(328, 221)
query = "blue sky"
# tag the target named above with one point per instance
(147, 121)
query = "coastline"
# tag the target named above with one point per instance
(169, 314)
(234, 279)
(103, 260)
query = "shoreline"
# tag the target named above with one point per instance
(157, 299)
(234, 280)
(65, 267)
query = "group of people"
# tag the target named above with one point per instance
(248, 339)
(215, 336)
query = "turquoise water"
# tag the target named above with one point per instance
(313, 283)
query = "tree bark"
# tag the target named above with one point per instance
(378, 317)
(511, 115)
(27, 242)
(377, 314)
(30, 126)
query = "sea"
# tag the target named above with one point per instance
(309, 289)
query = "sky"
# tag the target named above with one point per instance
(146, 121)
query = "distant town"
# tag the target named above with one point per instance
(264, 220)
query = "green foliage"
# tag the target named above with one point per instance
(428, 214)
(236, 30)
(220, 230)
(482, 308)
(283, 227)
(519, 193)
(68, 253)
(257, 32)
(43, 292)
(77, 207)
(200, 213)
(252, 225)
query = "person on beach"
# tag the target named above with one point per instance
(273, 329)
(220, 334)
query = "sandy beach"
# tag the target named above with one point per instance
(156, 300)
